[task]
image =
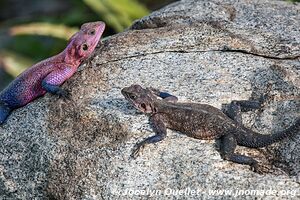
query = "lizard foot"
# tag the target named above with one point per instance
(260, 169)
(164, 95)
(64, 94)
(4, 112)
(136, 151)
(154, 90)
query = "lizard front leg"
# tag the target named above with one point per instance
(164, 95)
(5, 111)
(160, 130)
(53, 80)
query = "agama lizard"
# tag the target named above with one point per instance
(202, 121)
(49, 74)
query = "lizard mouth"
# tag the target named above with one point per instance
(135, 105)
(99, 33)
(139, 106)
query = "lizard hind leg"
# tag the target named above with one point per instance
(4, 112)
(235, 108)
(228, 144)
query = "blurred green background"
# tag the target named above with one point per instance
(32, 30)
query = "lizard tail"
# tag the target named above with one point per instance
(256, 140)
(4, 112)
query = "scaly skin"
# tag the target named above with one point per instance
(202, 121)
(49, 74)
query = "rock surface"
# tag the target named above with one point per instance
(202, 51)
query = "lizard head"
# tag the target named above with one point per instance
(83, 43)
(142, 99)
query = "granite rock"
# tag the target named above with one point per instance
(201, 51)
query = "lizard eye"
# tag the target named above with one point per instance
(132, 96)
(85, 47)
(92, 32)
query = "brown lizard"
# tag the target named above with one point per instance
(202, 121)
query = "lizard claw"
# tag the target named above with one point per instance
(64, 94)
(260, 169)
(136, 151)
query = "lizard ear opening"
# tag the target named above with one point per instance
(85, 47)
(144, 106)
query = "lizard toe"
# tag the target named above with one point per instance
(135, 153)
(260, 169)
(64, 94)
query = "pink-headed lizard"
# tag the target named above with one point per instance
(48, 75)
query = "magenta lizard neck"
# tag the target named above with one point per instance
(67, 57)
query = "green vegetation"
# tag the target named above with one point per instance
(32, 30)
(119, 14)
(27, 40)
